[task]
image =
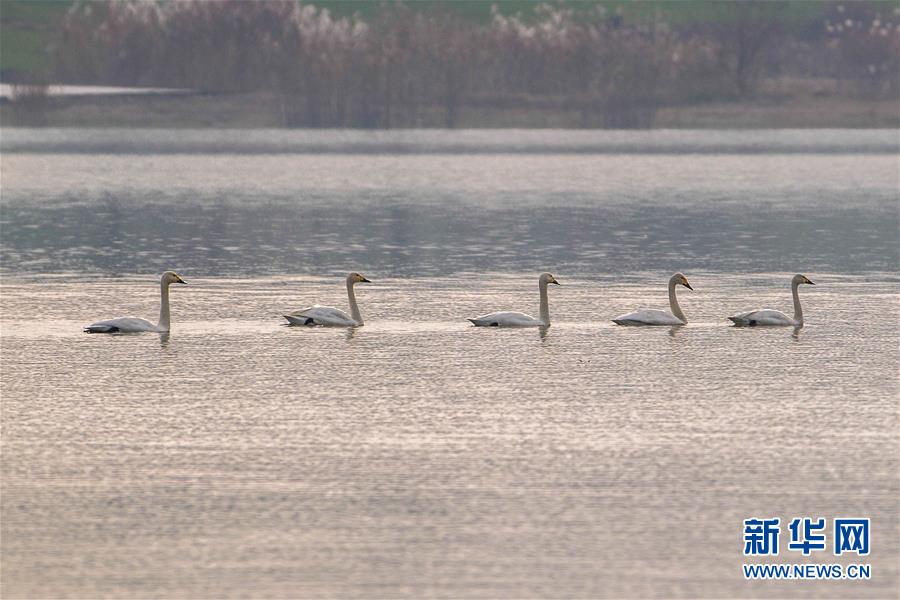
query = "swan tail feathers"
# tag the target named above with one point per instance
(484, 322)
(626, 322)
(741, 321)
(298, 320)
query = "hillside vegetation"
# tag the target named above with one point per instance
(368, 64)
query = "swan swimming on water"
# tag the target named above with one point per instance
(652, 316)
(767, 316)
(517, 319)
(136, 324)
(328, 316)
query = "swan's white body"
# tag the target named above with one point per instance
(328, 316)
(649, 316)
(518, 319)
(508, 319)
(136, 324)
(125, 325)
(770, 317)
(653, 316)
(764, 316)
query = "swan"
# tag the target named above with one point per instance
(136, 324)
(517, 319)
(767, 316)
(328, 316)
(651, 316)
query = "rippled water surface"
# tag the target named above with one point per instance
(419, 456)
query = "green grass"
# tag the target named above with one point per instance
(676, 12)
(27, 28)
(24, 51)
(33, 11)
(474, 10)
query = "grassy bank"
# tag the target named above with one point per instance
(780, 104)
(598, 64)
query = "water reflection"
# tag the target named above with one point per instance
(455, 432)
(396, 237)
(441, 141)
(443, 215)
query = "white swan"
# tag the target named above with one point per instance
(651, 316)
(328, 316)
(517, 319)
(767, 316)
(136, 324)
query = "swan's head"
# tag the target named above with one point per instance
(798, 279)
(357, 278)
(680, 279)
(170, 277)
(548, 278)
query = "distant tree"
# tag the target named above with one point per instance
(409, 62)
(866, 36)
(747, 27)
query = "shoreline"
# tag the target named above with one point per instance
(781, 104)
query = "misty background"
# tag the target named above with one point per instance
(602, 64)
(263, 150)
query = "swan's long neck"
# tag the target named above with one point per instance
(545, 304)
(798, 312)
(164, 306)
(354, 309)
(673, 302)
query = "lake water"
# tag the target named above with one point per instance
(419, 456)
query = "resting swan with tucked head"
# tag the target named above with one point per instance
(767, 316)
(517, 319)
(135, 324)
(328, 316)
(651, 316)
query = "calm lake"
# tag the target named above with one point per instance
(419, 456)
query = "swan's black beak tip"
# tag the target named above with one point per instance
(688, 286)
(810, 282)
